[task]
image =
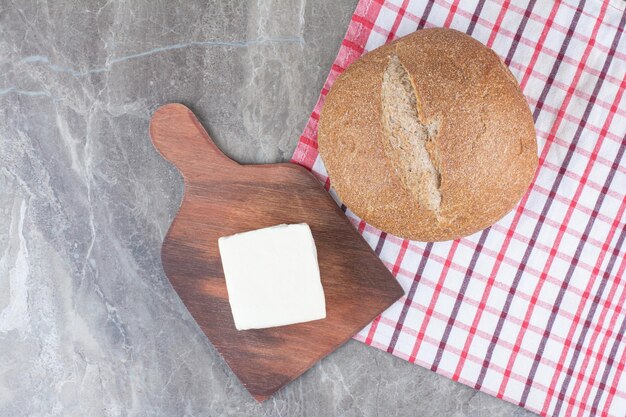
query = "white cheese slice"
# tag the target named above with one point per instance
(272, 276)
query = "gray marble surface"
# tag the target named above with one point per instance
(89, 324)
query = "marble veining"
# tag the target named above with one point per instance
(89, 324)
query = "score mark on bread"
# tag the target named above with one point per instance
(409, 142)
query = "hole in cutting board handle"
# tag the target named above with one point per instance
(180, 138)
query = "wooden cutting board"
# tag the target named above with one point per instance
(223, 197)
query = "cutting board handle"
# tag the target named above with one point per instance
(181, 139)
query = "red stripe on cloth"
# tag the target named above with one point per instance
(409, 297)
(518, 37)
(355, 47)
(367, 11)
(309, 142)
(566, 348)
(364, 21)
(327, 184)
(621, 363)
(498, 23)
(396, 23)
(459, 299)
(589, 353)
(453, 7)
(433, 301)
(372, 331)
(380, 30)
(408, 15)
(396, 266)
(540, 42)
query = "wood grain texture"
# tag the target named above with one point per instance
(223, 197)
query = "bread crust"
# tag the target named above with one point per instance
(485, 148)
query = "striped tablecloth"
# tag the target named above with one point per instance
(530, 310)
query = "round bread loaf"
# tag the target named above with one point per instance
(428, 137)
